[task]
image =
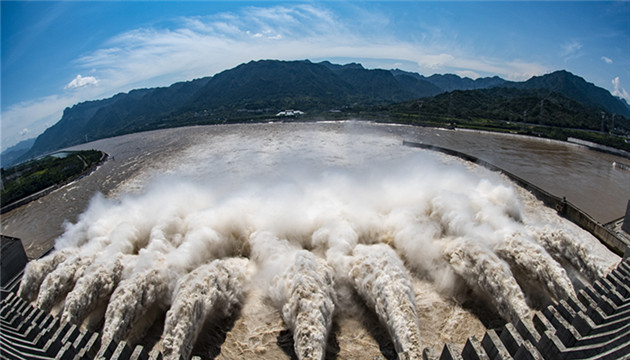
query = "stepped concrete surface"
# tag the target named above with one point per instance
(593, 325)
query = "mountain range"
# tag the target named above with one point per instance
(260, 89)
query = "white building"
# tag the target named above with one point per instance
(290, 113)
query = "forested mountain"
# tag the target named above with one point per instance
(252, 89)
(11, 154)
(576, 88)
(535, 106)
(450, 82)
(120, 114)
(257, 90)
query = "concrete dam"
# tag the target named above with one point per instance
(442, 257)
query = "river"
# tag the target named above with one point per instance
(585, 177)
(309, 182)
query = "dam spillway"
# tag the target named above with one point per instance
(436, 229)
(593, 325)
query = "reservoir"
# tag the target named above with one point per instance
(585, 177)
(235, 153)
(321, 214)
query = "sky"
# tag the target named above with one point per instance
(57, 54)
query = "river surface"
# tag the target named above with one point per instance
(585, 177)
(297, 177)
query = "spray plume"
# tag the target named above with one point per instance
(215, 288)
(97, 284)
(446, 219)
(59, 282)
(564, 245)
(131, 300)
(531, 259)
(308, 287)
(381, 279)
(37, 270)
(482, 269)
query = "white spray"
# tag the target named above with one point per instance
(532, 259)
(132, 299)
(565, 245)
(59, 282)
(97, 284)
(168, 256)
(215, 288)
(308, 288)
(37, 270)
(482, 269)
(301, 286)
(381, 279)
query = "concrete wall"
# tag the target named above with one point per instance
(562, 206)
(626, 220)
(13, 258)
(599, 147)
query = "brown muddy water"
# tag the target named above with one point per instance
(340, 198)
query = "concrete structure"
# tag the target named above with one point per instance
(595, 325)
(626, 220)
(564, 208)
(13, 259)
(287, 113)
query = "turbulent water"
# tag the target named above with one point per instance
(306, 292)
(214, 289)
(349, 241)
(380, 277)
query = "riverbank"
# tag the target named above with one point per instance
(586, 178)
(22, 180)
(564, 208)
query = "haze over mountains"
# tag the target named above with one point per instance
(262, 88)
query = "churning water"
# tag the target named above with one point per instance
(340, 235)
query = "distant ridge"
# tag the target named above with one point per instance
(576, 88)
(450, 82)
(13, 153)
(260, 89)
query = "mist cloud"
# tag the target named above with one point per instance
(36, 115)
(619, 91)
(308, 235)
(198, 46)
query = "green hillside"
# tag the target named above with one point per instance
(33, 176)
(258, 90)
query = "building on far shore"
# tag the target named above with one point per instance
(290, 113)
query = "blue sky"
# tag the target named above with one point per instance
(56, 54)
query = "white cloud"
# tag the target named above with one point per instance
(81, 81)
(32, 117)
(436, 61)
(200, 46)
(619, 91)
(571, 50)
(467, 73)
(607, 60)
(571, 47)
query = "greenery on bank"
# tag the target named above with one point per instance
(538, 113)
(533, 112)
(33, 176)
(258, 90)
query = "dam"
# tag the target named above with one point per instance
(438, 235)
(593, 327)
